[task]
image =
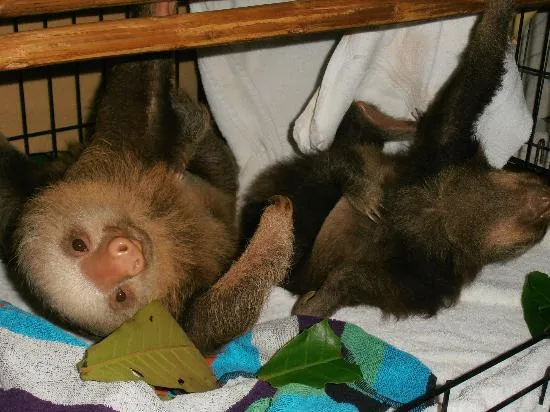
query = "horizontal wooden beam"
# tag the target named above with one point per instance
(153, 34)
(18, 8)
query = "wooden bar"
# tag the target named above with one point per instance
(152, 34)
(18, 8)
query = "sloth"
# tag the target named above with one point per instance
(406, 232)
(145, 212)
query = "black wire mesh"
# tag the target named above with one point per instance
(82, 123)
(532, 55)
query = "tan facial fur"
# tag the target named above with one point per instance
(94, 210)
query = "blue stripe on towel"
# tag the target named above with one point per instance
(238, 355)
(295, 397)
(401, 377)
(27, 324)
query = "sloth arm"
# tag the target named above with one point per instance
(356, 159)
(232, 305)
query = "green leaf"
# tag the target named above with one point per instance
(535, 300)
(312, 358)
(151, 347)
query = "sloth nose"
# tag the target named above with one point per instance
(113, 262)
(127, 254)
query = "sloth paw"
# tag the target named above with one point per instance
(312, 304)
(270, 250)
(368, 203)
(282, 203)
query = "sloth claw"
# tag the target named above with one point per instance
(281, 202)
(369, 204)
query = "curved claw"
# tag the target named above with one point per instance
(372, 217)
(370, 208)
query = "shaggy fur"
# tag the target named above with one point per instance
(20, 178)
(445, 212)
(155, 173)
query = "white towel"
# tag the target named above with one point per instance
(256, 90)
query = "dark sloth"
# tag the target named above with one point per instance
(147, 211)
(445, 212)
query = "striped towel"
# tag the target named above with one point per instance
(37, 372)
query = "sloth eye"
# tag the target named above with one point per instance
(79, 245)
(120, 296)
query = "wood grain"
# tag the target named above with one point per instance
(152, 34)
(18, 8)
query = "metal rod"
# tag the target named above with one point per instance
(544, 387)
(46, 132)
(520, 32)
(464, 377)
(540, 86)
(22, 105)
(445, 403)
(536, 72)
(78, 96)
(51, 102)
(519, 394)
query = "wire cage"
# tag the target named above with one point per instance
(532, 51)
(51, 106)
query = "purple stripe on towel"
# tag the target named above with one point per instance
(260, 390)
(17, 400)
(305, 322)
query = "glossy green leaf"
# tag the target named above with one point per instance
(151, 347)
(312, 358)
(535, 300)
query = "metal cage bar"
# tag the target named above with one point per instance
(445, 389)
(540, 85)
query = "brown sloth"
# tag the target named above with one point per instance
(406, 232)
(147, 211)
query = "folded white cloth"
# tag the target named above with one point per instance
(400, 70)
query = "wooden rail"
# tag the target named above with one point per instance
(152, 34)
(18, 8)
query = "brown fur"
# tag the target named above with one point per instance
(156, 175)
(445, 212)
(20, 178)
(269, 253)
